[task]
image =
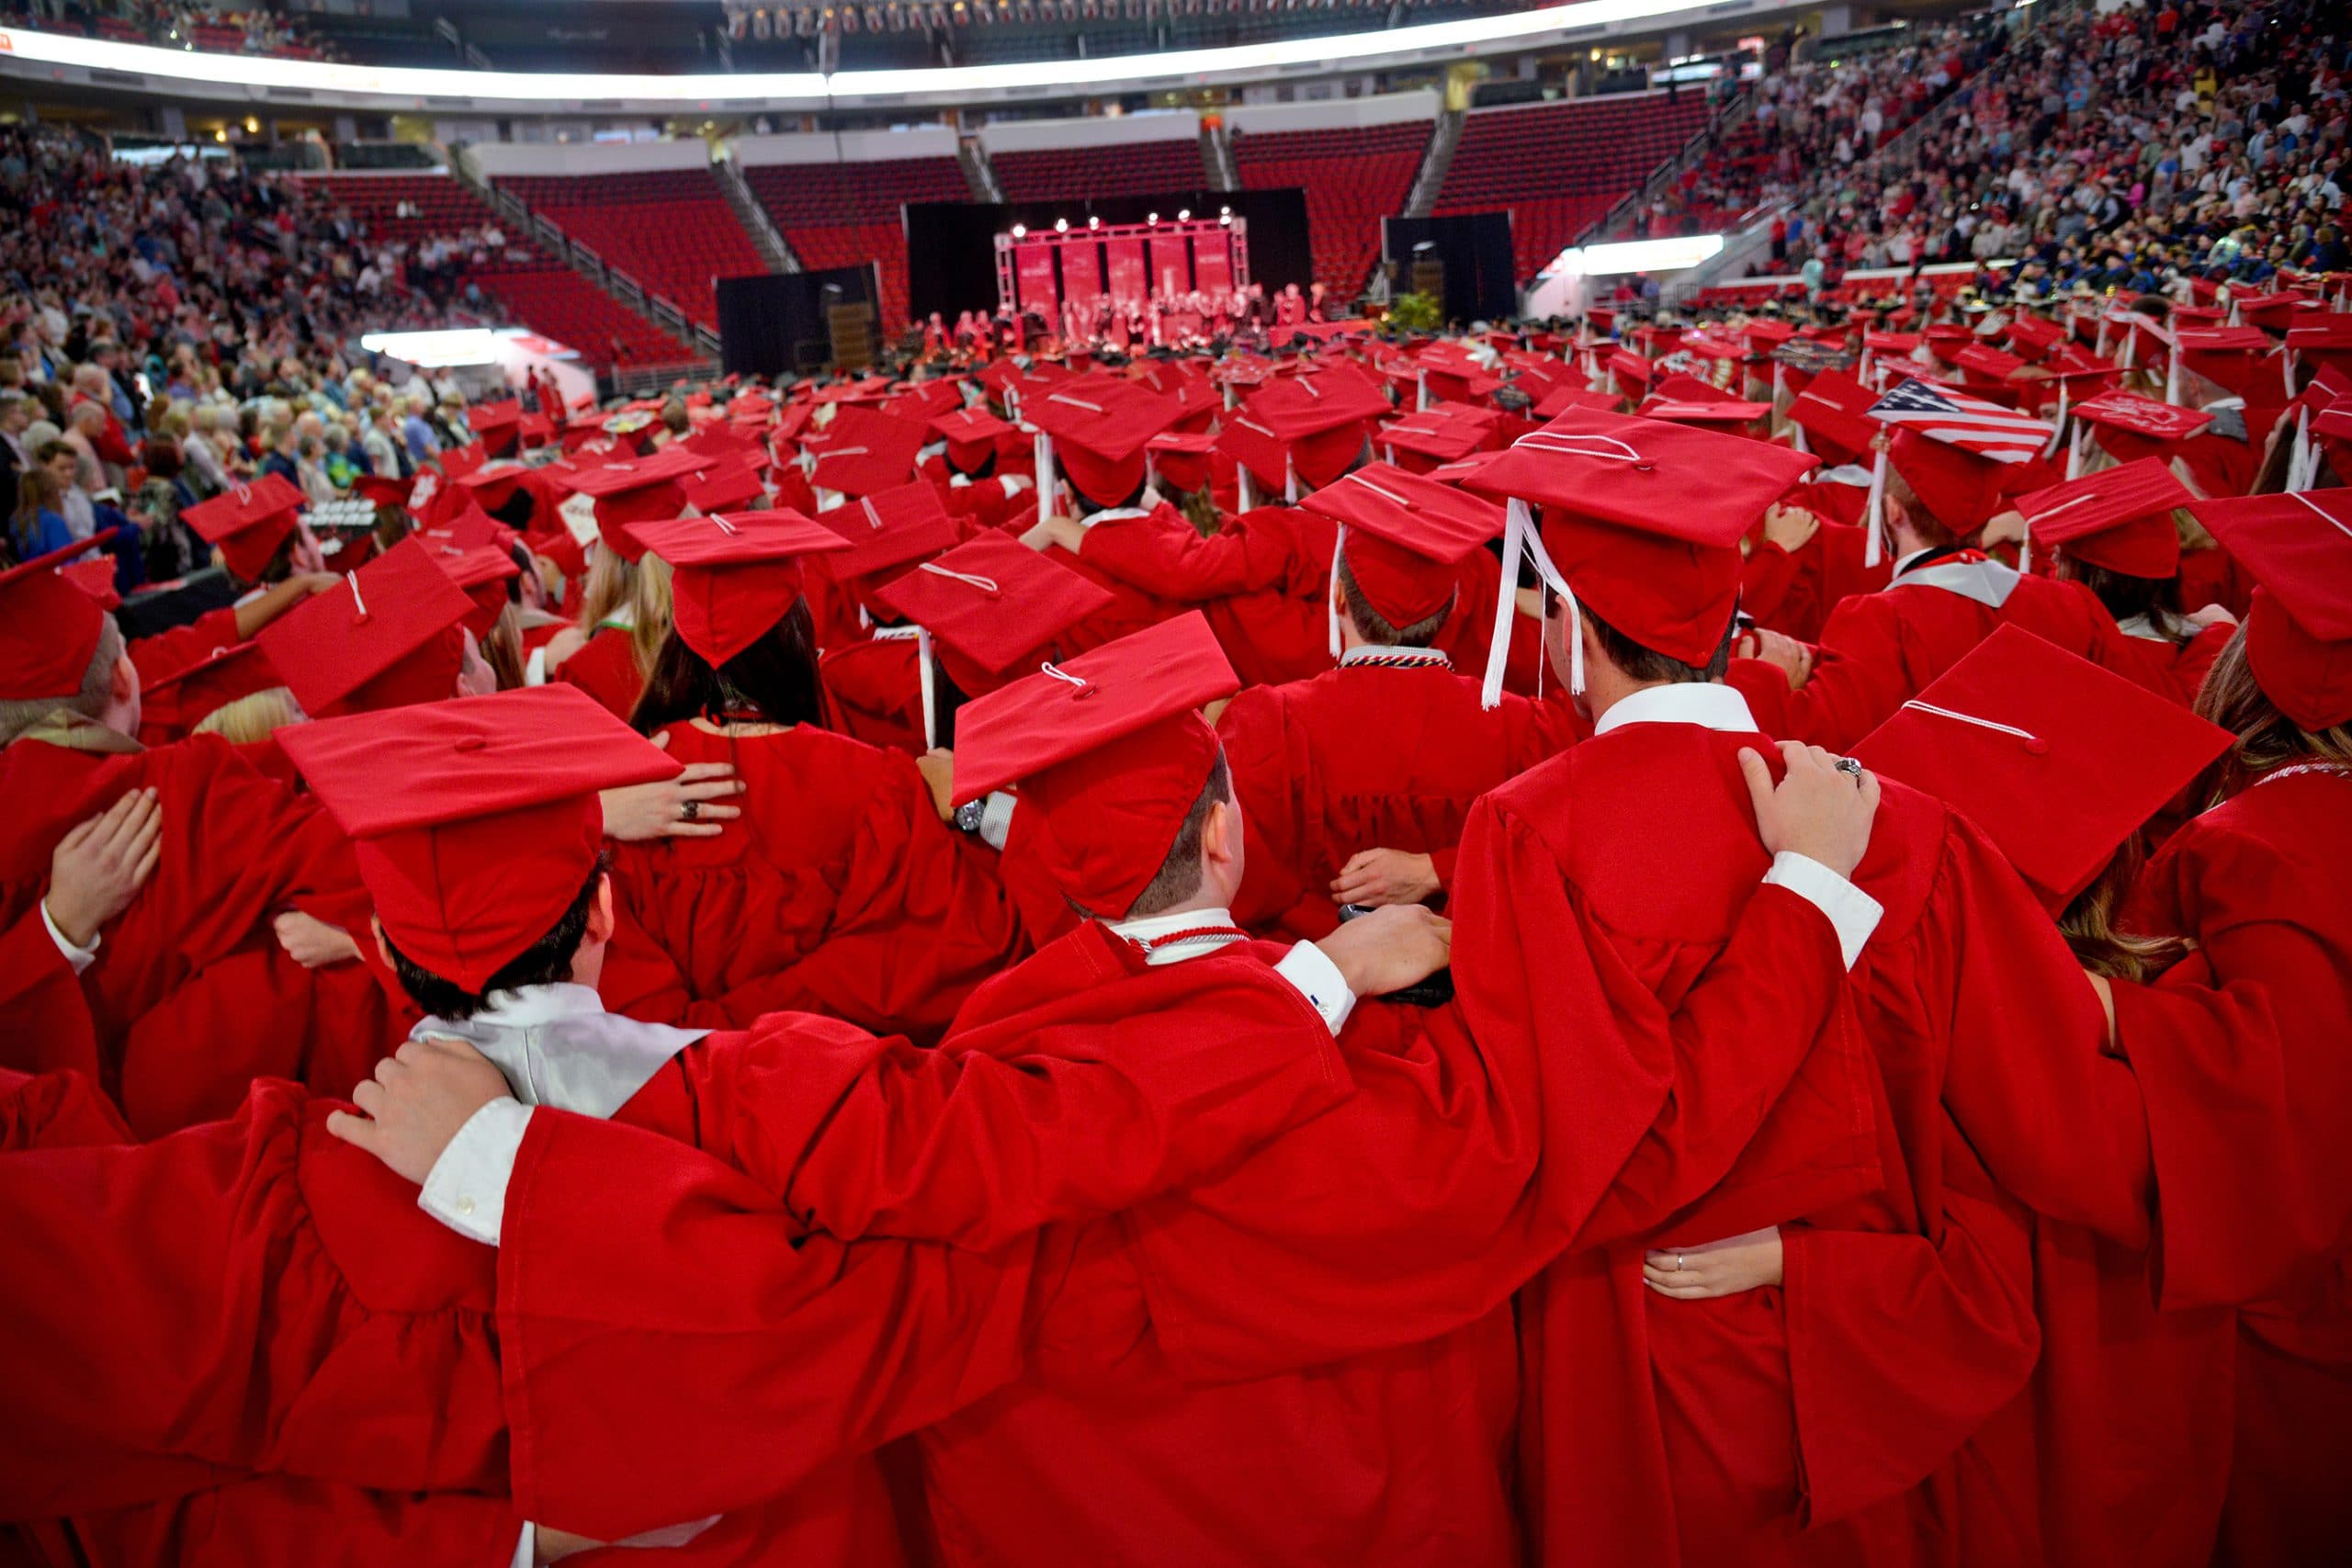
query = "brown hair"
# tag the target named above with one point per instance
(2267, 739)
(2088, 923)
(1179, 876)
(1376, 626)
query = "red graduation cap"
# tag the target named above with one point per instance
(864, 450)
(1987, 365)
(484, 572)
(2130, 425)
(384, 637)
(1432, 436)
(889, 528)
(1960, 488)
(246, 522)
(2120, 518)
(730, 485)
(94, 577)
(2057, 760)
(1110, 751)
(1718, 411)
(1402, 535)
(733, 575)
(49, 627)
(1642, 519)
(719, 442)
(383, 489)
(2033, 336)
(635, 489)
(925, 401)
(1181, 457)
(1560, 400)
(495, 416)
(2299, 632)
(475, 822)
(185, 697)
(1098, 425)
(2324, 339)
(1686, 389)
(1317, 421)
(2229, 358)
(971, 436)
(990, 603)
(1834, 413)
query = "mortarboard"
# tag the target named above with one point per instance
(183, 699)
(386, 636)
(2058, 760)
(2299, 632)
(49, 627)
(2120, 518)
(1402, 535)
(635, 489)
(475, 822)
(2324, 340)
(1181, 458)
(1641, 519)
(246, 522)
(1959, 488)
(1834, 413)
(1431, 437)
(733, 575)
(1111, 754)
(1560, 400)
(971, 436)
(990, 603)
(1097, 426)
(94, 577)
(889, 528)
(484, 572)
(728, 485)
(864, 450)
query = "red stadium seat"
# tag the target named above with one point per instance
(1353, 177)
(670, 229)
(842, 214)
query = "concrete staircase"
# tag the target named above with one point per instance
(978, 172)
(1216, 157)
(1435, 164)
(775, 250)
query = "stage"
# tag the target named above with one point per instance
(1130, 265)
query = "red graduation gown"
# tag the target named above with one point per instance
(1793, 593)
(2259, 882)
(191, 996)
(838, 891)
(606, 668)
(1880, 650)
(1361, 758)
(169, 652)
(1260, 578)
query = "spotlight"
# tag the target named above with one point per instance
(1061, 225)
(1021, 231)
(1154, 218)
(1183, 214)
(1094, 222)
(1226, 219)
(1225, 212)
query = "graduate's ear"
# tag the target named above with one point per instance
(600, 912)
(383, 943)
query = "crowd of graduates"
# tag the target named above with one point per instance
(1562, 945)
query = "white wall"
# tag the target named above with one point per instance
(1387, 109)
(498, 159)
(1094, 131)
(849, 147)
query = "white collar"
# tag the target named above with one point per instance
(1115, 514)
(1703, 703)
(1908, 562)
(1146, 928)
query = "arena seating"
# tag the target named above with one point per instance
(1558, 166)
(670, 229)
(575, 312)
(1353, 176)
(1127, 168)
(840, 214)
(441, 204)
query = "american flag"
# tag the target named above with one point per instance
(1972, 425)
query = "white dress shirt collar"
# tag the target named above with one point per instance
(1705, 704)
(1151, 927)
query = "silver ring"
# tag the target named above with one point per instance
(1678, 1263)
(689, 810)
(1850, 766)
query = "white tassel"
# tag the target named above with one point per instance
(1521, 542)
(1874, 513)
(1421, 390)
(930, 701)
(2079, 452)
(1331, 598)
(1044, 451)
(2058, 433)
(1290, 481)
(2172, 376)
(2301, 469)
(1248, 491)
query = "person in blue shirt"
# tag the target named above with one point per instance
(37, 525)
(416, 433)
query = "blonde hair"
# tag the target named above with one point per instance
(641, 589)
(254, 717)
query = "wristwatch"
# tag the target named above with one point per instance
(967, 816)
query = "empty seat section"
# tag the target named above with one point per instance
(843, 214)
(1353, 175)
(670, 229)
(565, 305)
(1557, 167)
(1074, 174)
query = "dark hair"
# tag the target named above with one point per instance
(543, 963)
(1377, 627)
(1646, 664)
(1179, 876)
(2125, 595)
(774, 679)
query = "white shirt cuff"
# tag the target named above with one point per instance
(1015, 483)
(1853, 912)
(527, 1548)
(466, 1189)
(80, 957)
(996, 819)
(1312, 974)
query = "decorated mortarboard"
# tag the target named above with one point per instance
(1110, 753)
(247, 522)
(864, 450)
(888, 529)
(1641, 519)
(635, 489)
(50, 626)
(2058, 760)
(476, 822)
(733, 575)
(2299, 632)
(2119, 518)
(385, 636)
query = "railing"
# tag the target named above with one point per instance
(1723, 118)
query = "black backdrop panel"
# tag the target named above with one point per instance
(951, 245)
(1480, 277)
(772, 323)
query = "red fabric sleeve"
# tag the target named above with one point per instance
(1170, 560)
(1263, 756)
(44, 1021)
(1765, 578)
(56, 1110)
(276, 1522)
(170, 651)
(1858, 676)
(646, 1288)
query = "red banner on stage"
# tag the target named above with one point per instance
(1172, 264)
(1036, 273)
(1129, 282)
(1213, 262)
(1082, 272)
